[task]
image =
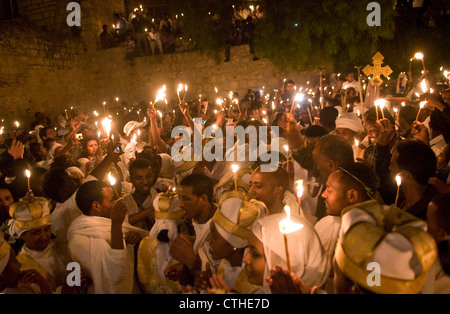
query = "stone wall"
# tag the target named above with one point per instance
(47, 68)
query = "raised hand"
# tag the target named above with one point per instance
(17, 149)
(386, 132)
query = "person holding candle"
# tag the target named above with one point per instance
(102, 242)
(91, 155)
(228, 241)
(196, 201)
(31, 222)
(153, 254)
(416, 164)
(140, 211)
(345, 187)
(267, 250)
(402, 254)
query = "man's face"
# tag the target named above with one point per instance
(350, 77)
(446, 97)
(6, 200)
(323, 164)
(218, 247)
(262, 188)
(37, 239)
(334, 195)
(189, 203)
(107, 203)
(50, 133)
(255, 261)
(348, 134)
(142, 179)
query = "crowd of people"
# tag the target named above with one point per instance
(144, 33)
(361, 185)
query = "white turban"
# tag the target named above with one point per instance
(75, 170)
(29, 213)
(307, 256)
(349, 121)
(133, 125)
(167, 168)
(388, 237)
(235, 217)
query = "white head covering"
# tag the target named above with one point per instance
(166, 214)
(167, 168)
(307, 256)
(235, 217)
(389, 236)
(5, 251)
(51, 151)
(75, 170)
(133, 125)
(184, 168)
(29, 213)
(349, 120)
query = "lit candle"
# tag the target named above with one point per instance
(398, 178)
(112, 182)
(235, 169)
(106, 123)
(299, 195)
(139, 135)
(286, 148)
(28, 175)
(185, 91)
(422, 104)
(423, 86)
(380, 103)
(160, 118)
(180, 88)
(288, 226)
(17, 124)
(161, 94)
(420, 56)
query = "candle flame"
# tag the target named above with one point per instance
(235, 168)
(398, 178)
(356, 142)
(159, 113)
(422, 104)
(287, 225)
(28, 173)
(180, 88)
(424, 86)
(380, 103)
(215, 88)
(299, 188)
(111, 179)
(286, 147)
(161, 94)
(418, 56)
(106, 123)
(299, 97)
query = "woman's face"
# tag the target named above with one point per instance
(255, 261)
(92, 147)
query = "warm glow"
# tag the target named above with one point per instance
(161, 94)
(111, 179)
(219, 101)
(106, 123)
(299, 97)
(287, 225)
(398, 178)
(380, 103)
(28, 173)
(180, 88)
(235, 168)
(286, 148)
(17, 123)
(215, 88)
(299, 188)
(96, 113)
(424, 86)
(418, 56)
(403, 104)
(356, 142)
(159, 113)
(422, 104)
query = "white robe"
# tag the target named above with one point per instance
(111, 270)
(437, 282)
(133, 207)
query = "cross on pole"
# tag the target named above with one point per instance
(377, 70)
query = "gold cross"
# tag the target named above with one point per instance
(377, 70)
